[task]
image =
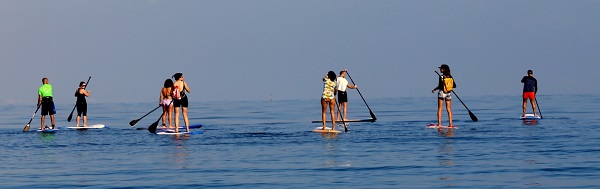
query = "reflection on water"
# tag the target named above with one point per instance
(446, 153)
(531, 122)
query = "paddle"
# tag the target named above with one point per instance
(133, 122)
(342, 116)
(26, 128)
(538, 107)
(152, 128)
(473, 117)
(71, 115)
(371, 112)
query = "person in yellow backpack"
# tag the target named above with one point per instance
(445, 86)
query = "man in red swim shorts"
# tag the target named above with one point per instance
(529, 90)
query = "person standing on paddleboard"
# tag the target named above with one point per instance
(165, 101)
(445, 86)
(529, 91)
(81, 103)
(342, 85)
(328, 98)
(180, 100)
(46, 101)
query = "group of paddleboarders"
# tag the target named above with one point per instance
(446, 85)
(173, 97)
(335, 86)
(46, 102)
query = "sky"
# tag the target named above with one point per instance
(280, 50)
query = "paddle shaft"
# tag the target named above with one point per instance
(152, 128)
(71, 115)
(361, 96)
(473, 117)
(538, 107)
(342, 117)
(133, 122)
(26, 128)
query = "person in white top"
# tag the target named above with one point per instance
(342, 85)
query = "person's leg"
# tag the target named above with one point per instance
(439, 111)
(332, 105)
(524, 106)
(449, 110)
(323, 112)
(177, 109)
(185, 119)
(533, 106)
(42, 121)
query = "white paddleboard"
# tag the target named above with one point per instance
(95, 126)
(327, 130)
(179, 133)
(435, 126)
(530, 116)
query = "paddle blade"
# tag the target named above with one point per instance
(26, 128)
(133, 122)
(70, 117)
(473, 117)
(345, 128)
(152, 128)
(373, 115)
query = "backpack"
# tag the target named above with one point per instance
(176, 93)
(448, 84)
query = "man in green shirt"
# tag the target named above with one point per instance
(45, 100)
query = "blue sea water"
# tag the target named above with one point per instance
(269, 144)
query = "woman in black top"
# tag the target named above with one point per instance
(81, 103)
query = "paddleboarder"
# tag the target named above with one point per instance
(46, 101)
(328, 98)
(165, 101)
(342, 85)
(529, 91)
(180, 100)
(445, 86)
(81, 103)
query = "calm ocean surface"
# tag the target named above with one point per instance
(269, 144)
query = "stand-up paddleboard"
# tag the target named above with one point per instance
(195, 126)
(351, 120)
(530, 117)
(95, 126)
(172, 132)
(435, 126)
(47, 130)
(327, 130)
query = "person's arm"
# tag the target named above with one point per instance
(86, 93)
(160, 97)
(440, 85)
(39, 100)
(352, 86)
(535, 85)
(186, 87)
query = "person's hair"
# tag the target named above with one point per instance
(446, 71)
(529, 71)
(43, 79)
(331, 75)
(81, 83)
(168, 83)
(177, 76)
(341, 72)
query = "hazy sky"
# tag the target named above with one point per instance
(251, 49)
